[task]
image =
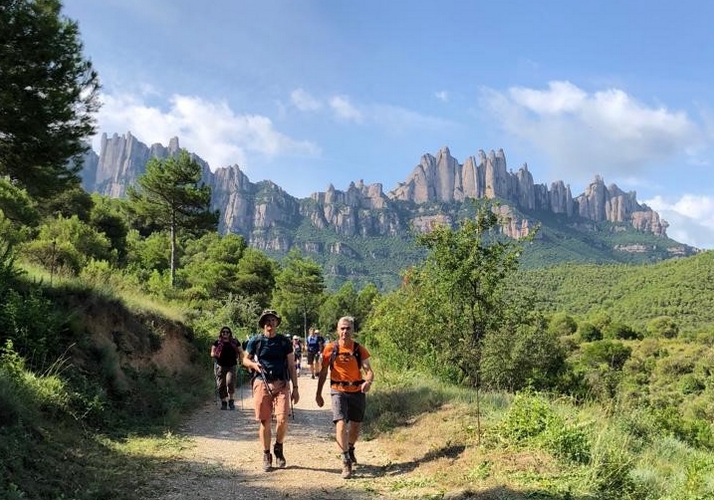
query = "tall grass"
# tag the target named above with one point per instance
(599, 453)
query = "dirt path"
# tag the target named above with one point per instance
(226, 461)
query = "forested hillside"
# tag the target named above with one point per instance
(681, 289)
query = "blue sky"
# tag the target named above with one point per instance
(310, 93)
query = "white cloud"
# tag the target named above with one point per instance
(442, 95)
(691, 218)
(304, 101)
(606, 132)
(211, 129)
(344, 109)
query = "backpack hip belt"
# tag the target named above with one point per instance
(344, 383)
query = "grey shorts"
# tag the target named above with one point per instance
(348, 406)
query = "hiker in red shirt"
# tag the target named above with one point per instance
(347, 361)
(227, 354)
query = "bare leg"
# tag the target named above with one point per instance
(281, 430)
(265, 434)
(341, 435)
(354, 430)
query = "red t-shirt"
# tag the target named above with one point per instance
(345, 368)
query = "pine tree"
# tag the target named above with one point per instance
(48, 96)
(173, 197)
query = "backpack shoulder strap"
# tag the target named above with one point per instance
(356, 352)
(333, 354)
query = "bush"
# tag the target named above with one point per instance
(562, 324)
(662, 326)
(588, 332)
(530, 419)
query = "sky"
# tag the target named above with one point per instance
(310, 93)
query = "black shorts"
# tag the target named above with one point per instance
(311, 357)
(348, 406)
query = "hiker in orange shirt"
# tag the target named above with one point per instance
(347, 361)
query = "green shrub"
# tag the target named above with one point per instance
(589, 332)
(531, 419)
(526, 418)
(662, 326)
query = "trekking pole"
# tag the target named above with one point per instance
(240, 385)
(265, 381)
(292, 408)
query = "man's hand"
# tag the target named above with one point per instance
(295, 395)
(319, 400)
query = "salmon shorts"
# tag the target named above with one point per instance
(265, 404)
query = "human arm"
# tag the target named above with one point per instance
(321, 377)
(368, 376)
(293, 377)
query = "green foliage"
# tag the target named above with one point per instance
(530, 419)
(65, 245)
(172, 196)
(29, 320)
(47, 99)
(662, 326)
(589, 332)
(522, 354)
(461, 284)
(107, 218)
(255, 276)
(562, 324)
(299, 286)
(341, 303)
(17, 211)
(146, 255)
(617, 330)
(635, 295)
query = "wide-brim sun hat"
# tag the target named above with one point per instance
(265, 314)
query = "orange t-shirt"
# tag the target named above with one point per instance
(345, 368)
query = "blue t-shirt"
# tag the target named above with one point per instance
(273, 355)
(315, 343)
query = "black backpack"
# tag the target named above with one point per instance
(284, 342)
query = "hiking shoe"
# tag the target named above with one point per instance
(231, 404)
(351, 452)
(279, 457)
(346, 469)
(224, 405)
(267, 462)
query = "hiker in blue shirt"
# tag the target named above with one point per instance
(270, 357)
(315, 345)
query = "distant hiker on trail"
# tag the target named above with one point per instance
(270, 357)
(297, 351)
(346, 360)
(226, 353)
(315, 345)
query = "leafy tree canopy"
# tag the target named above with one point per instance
(299, 287)
(47, 98)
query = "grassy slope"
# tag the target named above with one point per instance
(96, 422)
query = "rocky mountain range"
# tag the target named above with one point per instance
(274, 221)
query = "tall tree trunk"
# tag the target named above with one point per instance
(173, 250)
